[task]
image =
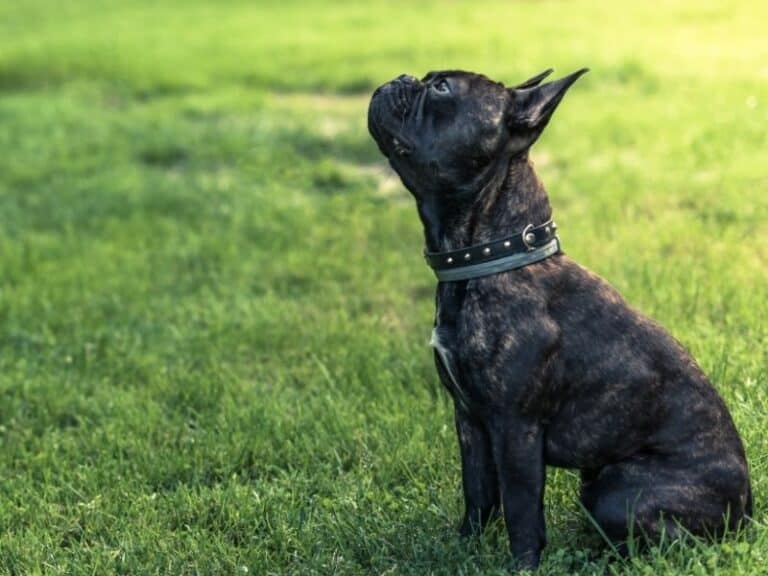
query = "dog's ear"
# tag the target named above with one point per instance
(532, 104)
(534, 81)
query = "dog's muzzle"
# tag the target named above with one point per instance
(388, 111)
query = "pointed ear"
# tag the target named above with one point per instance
(535, 81)
(532, 107)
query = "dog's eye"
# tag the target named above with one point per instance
(441, 87)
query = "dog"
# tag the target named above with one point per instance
(545, 361)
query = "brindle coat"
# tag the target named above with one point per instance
(556, 368)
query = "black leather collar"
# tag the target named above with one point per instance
(532, 244)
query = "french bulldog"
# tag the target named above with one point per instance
(547, 363)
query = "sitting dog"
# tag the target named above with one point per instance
(545, 361)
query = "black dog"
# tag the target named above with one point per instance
(546, 362)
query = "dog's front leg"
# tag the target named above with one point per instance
(518, 450)
(481, 488)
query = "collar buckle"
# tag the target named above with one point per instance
(528, 237)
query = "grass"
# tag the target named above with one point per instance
(213, 311)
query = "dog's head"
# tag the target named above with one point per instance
(453, 131)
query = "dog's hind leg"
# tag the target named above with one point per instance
(481, 490)
(647, 498)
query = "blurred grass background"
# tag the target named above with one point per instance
(214, 314)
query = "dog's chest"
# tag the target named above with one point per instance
(485, 339)
(458, 341)
(443, 343)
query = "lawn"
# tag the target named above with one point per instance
(214, 312)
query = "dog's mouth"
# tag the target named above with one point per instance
(402, 148)
(388, 114)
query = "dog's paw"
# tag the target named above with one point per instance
(467, 529)
(527, 563)
(474, 524)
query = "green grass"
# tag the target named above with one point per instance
(213, 311)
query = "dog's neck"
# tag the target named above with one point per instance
(505, 206)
